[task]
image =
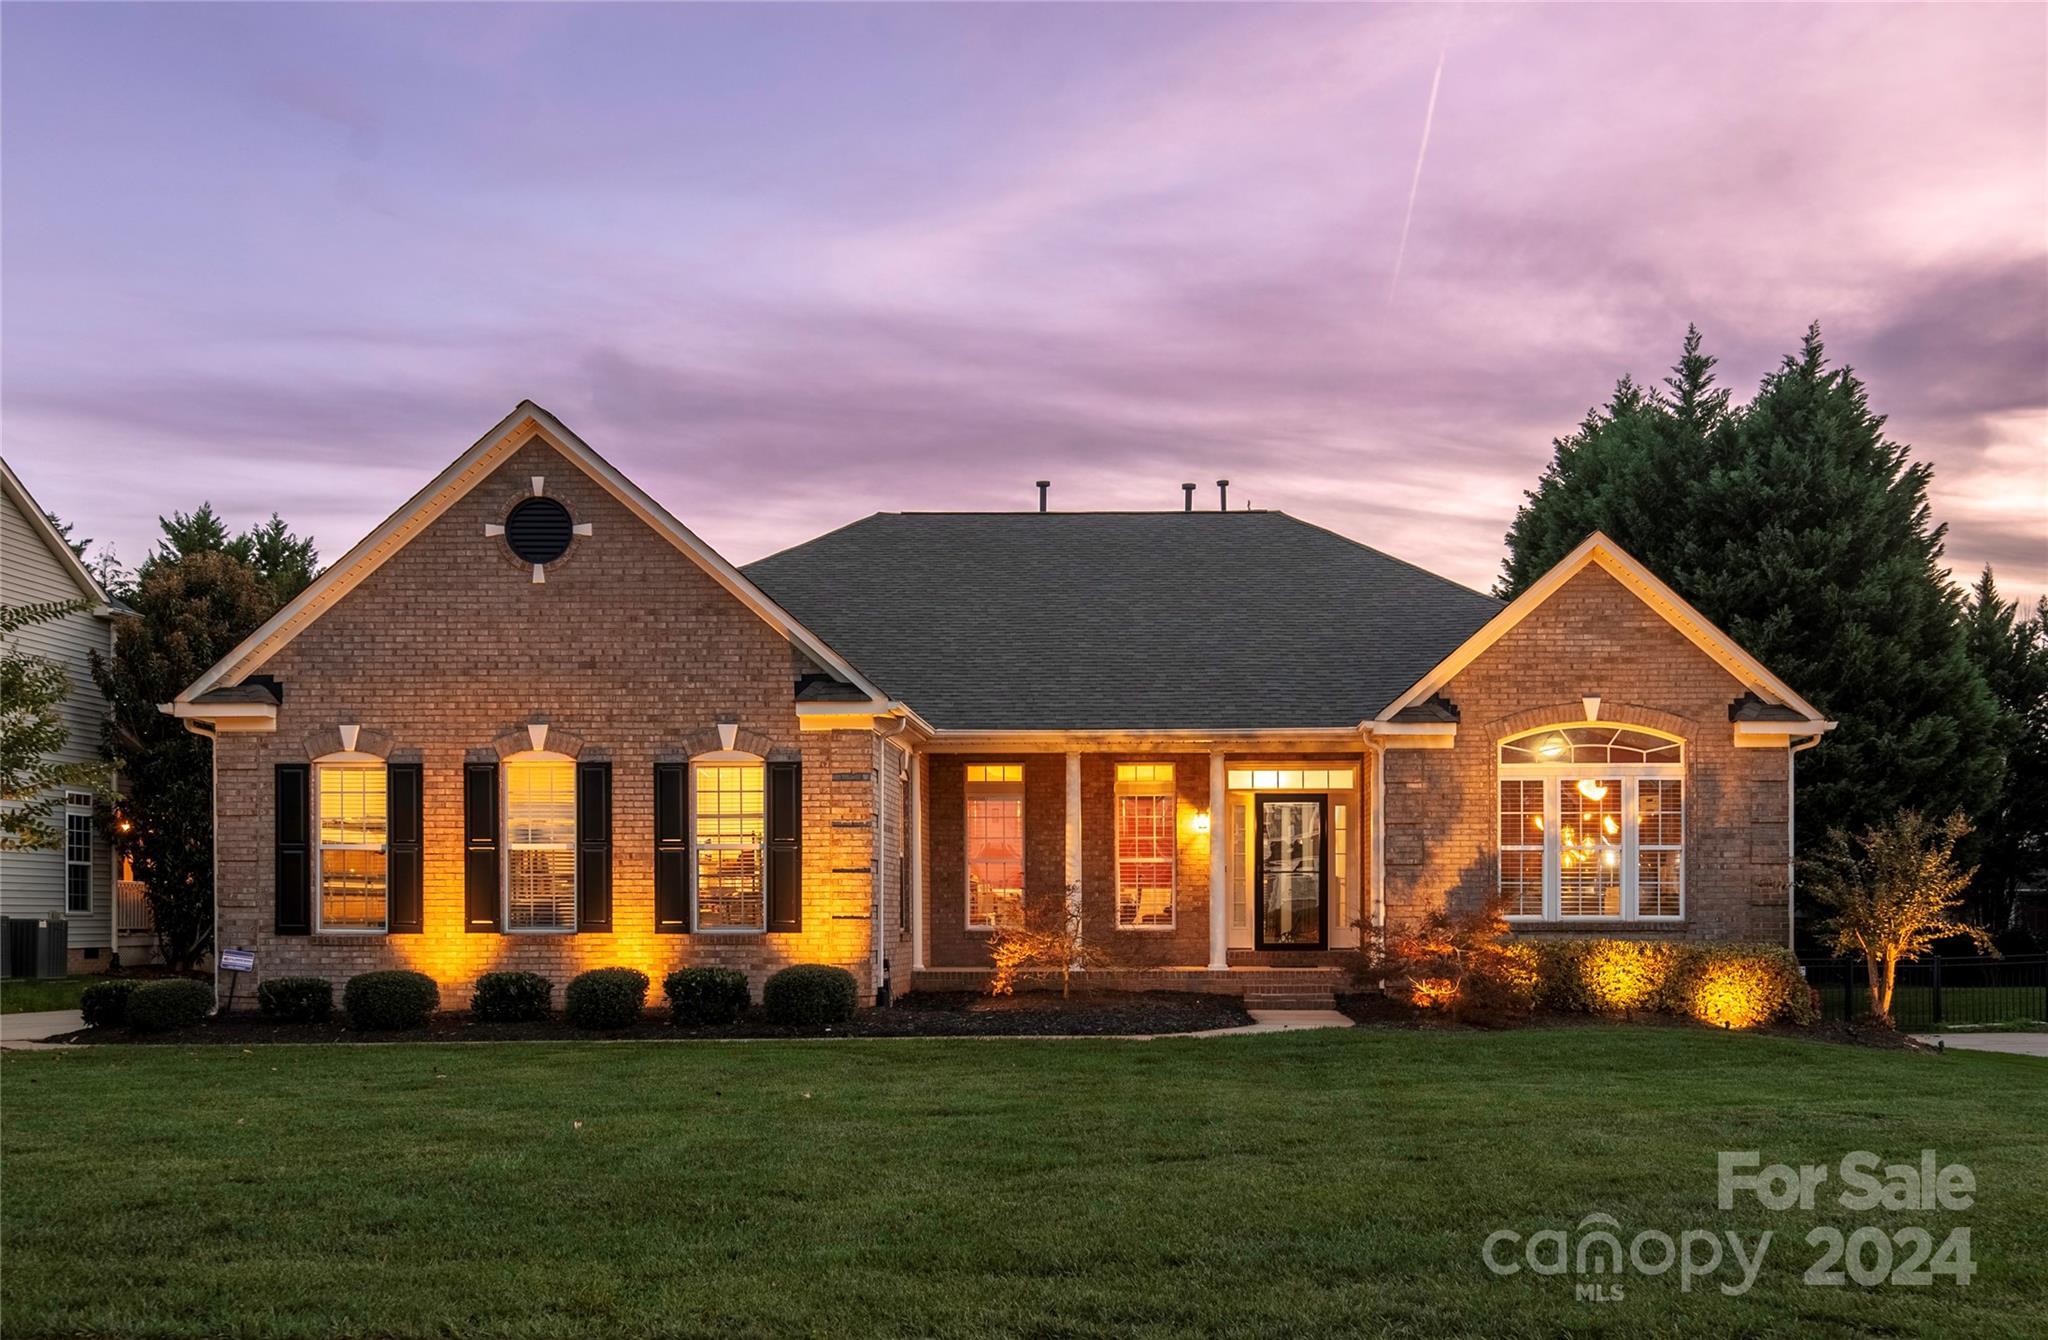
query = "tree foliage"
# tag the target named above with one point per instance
(33, 733)
(284, 564)
(1796, 526)
(2012, 831)
(189, 612)
(1891, 893)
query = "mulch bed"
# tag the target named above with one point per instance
(921, 1015)
(1379, 1011)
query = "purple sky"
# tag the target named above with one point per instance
(786, 266)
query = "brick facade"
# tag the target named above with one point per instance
(1595, 637)
(629, 650)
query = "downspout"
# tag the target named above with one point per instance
(878, 961)
(1791, 839)
(212, 736)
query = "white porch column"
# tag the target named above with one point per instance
(915, 820)
(1219, 864)
(1074, 836)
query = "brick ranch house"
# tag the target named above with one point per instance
(532, 721)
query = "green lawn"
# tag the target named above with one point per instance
(1308, 1184)
(27, 995)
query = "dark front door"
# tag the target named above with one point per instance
(1293, 872)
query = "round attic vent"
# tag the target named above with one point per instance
(538, 530)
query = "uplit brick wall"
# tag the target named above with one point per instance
(628, 650)
(1594, 636)
(948, 942)
(1188, 941)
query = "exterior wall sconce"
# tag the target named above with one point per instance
(1199, 822)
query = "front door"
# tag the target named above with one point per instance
(1293, 872)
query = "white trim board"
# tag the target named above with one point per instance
(524, 423)
(1597, 548)
(39, 521)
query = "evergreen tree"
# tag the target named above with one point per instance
(285, 564)
(190, 611)
(1795, 525)
(2012, 831)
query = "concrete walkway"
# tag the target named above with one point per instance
(25, 1032)
(2019, 1044)
(1274, 1021)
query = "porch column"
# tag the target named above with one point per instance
(1074, 838)
(916, 818)
(1219, 865)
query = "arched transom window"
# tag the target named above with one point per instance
(1592, 824)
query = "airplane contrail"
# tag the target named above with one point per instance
(1415, 187)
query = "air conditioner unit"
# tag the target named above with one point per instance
(34, 946)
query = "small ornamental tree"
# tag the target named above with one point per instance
(1461, 964)
(32, 733)
(1046, 945)
(1891, 893)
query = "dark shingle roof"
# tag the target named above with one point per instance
(1749, 707)
(251, 692)
(1122, 620)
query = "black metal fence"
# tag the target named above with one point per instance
(1938, 991)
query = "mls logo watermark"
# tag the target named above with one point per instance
(1600, 1256)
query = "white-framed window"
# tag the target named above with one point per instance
(728, 838)
(1145, 839)
(78, 851)
(995, 845)
(1292, 779)
(352, 819)
(540, 842)
(1592, 824)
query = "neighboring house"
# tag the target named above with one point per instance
(77, 882)
(533, 721)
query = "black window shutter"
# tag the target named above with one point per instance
(671, 848)
(294, 793)
(785, 846)
(593, 846)
(402, 864)
(480, 846)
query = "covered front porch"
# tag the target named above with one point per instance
(1242, 867)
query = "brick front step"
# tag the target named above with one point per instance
(1291, 983)
(1290, 1000)
(1293, 958)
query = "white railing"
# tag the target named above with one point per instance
(131, 909)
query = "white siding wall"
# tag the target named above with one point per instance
(32, 883)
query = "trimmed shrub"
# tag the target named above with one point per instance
(175, 1002)
(105, 1004)
(1739, 985)
(810, 995)
(512, 997)
(605, 998)
(298, 1000)
(394, 998)
(706, 995)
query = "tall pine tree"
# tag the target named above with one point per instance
(1795, 525)
(2011, 842)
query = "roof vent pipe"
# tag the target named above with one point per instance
(1222, 495)
(1043, 485)
(1187, 497)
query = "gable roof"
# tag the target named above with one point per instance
(1123, 620)
(1612, 559)
(39, 522)
(515, 430)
